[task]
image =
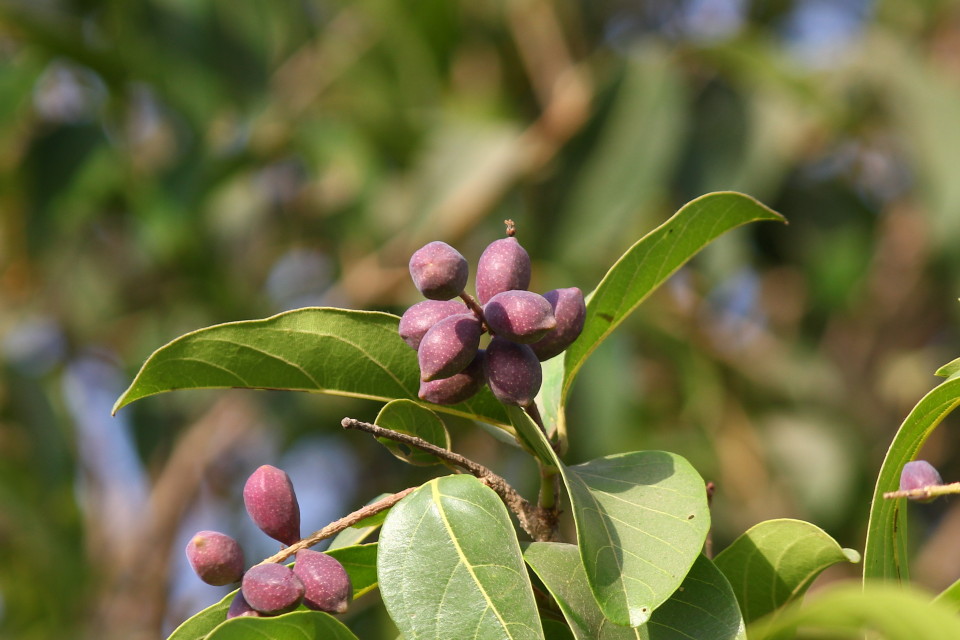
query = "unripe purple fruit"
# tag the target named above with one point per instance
(449, 346)
(325, 581)
(503, 266)
(513, 372)
(439, 271)
(240, 608)
(272, 589)
(418, 319)
(215, 557)
(570, 311)
(917, 475)
(272, 504)
(520, 316)
(458, 387)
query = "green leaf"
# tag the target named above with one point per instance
(531, 437)
(845, 611)
(202, 623)
(950, 597)
(950, 369)
(885, 553)
(704, 607)
(648, 263)
(642, 518)
(556, 630)
(408, 417)
(361, 531)
(360, 561)
(297, 625)
(336, 351)
(450, 566)
(774, 562)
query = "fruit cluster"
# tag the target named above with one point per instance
(317, 580)
(526, 328)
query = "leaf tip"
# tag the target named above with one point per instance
(852, 555)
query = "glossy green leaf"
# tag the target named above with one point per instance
(360, 561)
(653, 259)
(531, 437)
(202, 623)
(885, 553)
(450, 566)
(704, 607)
(774, 562)
(410, 418)
(297, 625)
(642, 518)
(950, 369)
(336, 351)
(847, 610)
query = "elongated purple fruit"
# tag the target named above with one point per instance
(513, 372)
(272, 588)
(458, 387)
(439, 271)
(917, 475)
(520, 316)
(503, 266)
(570, 312)
(272, 504)
(325, 581)
(449, 346)
(417, 320)
(215, 557)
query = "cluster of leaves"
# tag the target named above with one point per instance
(636, 568)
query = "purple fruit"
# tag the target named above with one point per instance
(513, 372)
(325, 581)
(272, 589)
(456, 388)
(570, 311)
(216, 557)
(917, 475)
(520, 316)
(272, 504)
(449, 346)
(503, 266)
(240, 608)
(418, 319)
(439, 271)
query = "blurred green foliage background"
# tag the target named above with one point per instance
(170, 164)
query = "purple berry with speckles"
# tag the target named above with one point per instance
(272, 589)
(513, 372)
(520, 316)
(449, 346)
(216, 557)
(570, 311)
(272, 504)
(325, 581)
(503, 266)
(917, 475)
(418, 319)
(240, 608)
(439, 271)
(458, 387)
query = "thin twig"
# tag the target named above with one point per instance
(924, 493)
(539, 523)
(336, 527)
